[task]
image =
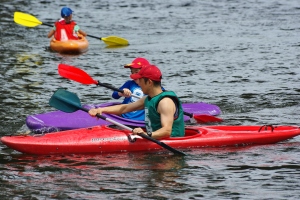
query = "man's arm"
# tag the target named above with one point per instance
(82, 32)
(119, 109)
(51, 33)
(166, 108)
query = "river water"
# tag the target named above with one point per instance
(241, 55)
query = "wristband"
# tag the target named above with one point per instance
(149, 134)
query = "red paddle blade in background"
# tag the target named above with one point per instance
(75, 74)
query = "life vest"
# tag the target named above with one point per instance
(152, 117)
(65, 31)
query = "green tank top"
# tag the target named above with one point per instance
(152, 117)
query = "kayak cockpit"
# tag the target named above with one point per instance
(190, 132)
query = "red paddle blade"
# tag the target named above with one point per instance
(75, 74)
(207, 118)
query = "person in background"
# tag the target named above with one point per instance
(65, 28)
(130, 87)
(163, 110)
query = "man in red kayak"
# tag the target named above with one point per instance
(163, 110)
(65, 28)
(131, 87)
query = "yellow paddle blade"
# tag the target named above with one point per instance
(115, 41)
(26, 19)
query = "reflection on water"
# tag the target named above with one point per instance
(141, 161)
(107, 174)
(219, 172)
(29, 60)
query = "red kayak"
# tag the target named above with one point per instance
(104, 139)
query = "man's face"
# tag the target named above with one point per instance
(134, 70)
(144, 85)
(68, 19)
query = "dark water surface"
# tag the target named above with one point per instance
(241, 55)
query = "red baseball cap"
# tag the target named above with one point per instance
(137, 63)
(149, 71)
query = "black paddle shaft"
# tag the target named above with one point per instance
(98, 115)
(110, 87)
(94, 37)
(161, 144)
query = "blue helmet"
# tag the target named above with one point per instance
(65, 12)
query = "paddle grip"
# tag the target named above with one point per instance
(98, 115)
(115, 89)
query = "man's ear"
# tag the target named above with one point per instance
(150, 81)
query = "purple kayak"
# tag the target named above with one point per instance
(59, 121)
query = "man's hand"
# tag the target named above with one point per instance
(126, 93)
(138, 130)
(94, 111)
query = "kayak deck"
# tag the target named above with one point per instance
(104, 139)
